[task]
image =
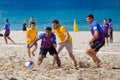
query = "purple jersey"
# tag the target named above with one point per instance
(95, 26)
(7, 28)
(47, 41)
(105, 28)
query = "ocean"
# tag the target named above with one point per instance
(44, 11)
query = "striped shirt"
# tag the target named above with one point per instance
(47, 41)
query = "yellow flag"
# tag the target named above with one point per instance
(75, 26)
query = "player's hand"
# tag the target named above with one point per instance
(60, 43)
(55, 45)
(31, 45)
(29, 40)
(90, 42)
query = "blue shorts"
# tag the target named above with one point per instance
(28, 45)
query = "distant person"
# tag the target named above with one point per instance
(105, 29)
(31, 34)
(7, 32)
(48, 44)
(24, 26)
(31, 20)
(65, 40)
(110, 30)
(97, 41)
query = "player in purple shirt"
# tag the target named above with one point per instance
(7, 32)
(110, 30)
(48, 44)
(97, 41)
(105, 29)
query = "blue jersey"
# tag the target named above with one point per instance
(110, 26)
(7, 28)
(47, 41)
(95, 26)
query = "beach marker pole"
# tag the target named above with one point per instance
(75, 28)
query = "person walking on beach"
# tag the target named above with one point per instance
(110, 30)
(105, 30)
(65, 40)
(97, 41)
(24, 26)
(7, 32)
(31, 20)
(48, 44)
(31, 34)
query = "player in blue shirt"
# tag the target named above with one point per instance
(7, 32)
(110, 30)
(105, 30)
(97, 40)
(48, 44)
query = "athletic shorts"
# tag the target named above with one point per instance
(28, 45)
(111, 34)
(106, 35)
(97, 45)
(6, 35)
(51, 50)
(67, 45)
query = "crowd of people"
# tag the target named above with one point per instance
(49, 44)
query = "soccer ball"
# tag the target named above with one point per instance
(29, 64)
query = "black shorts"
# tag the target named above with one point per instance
(106, 35)
(97, 45)
(111, 34)
(51, 50)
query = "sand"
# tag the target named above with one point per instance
(14, 56)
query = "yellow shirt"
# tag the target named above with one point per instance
(60, 33)
(31, 34)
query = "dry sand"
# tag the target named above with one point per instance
(14, 56)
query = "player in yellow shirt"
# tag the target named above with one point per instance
(31, 35)
(65, 40)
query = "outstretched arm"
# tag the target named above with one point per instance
(34, 42)
(54, 41)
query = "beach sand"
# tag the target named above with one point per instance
(14, 56)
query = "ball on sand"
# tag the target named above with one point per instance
(29, 64)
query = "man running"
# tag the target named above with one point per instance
(48, 44)
(65, 40)
(97, 41)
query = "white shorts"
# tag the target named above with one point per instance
(67, 45)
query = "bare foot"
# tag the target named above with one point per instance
(39, 63)
(96, 65)
(29, 56)
(33, 54)
(75, 63)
